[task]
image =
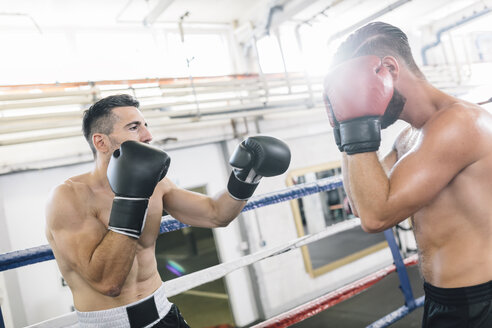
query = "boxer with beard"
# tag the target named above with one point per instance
(443, 180)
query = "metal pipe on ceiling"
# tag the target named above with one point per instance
(157, 11)
(449, 27)
(33, 21)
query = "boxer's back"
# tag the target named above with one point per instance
(453, 230)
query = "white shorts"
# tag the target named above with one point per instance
(142, 313)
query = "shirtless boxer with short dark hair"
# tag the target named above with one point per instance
(103, 225)
(443, 179)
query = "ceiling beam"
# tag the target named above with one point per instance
(156, 12)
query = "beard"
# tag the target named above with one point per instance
(394, 109)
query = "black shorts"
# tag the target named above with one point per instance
(464, 307)
(173, 319)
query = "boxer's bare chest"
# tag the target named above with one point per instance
(99, 203)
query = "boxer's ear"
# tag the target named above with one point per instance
(101, 142)
(391, 64)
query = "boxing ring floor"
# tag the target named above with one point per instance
(398, 307)
(370, 305)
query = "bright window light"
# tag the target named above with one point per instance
(270, 56)
(207, 55)
(29, 57)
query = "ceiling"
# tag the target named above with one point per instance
(59, 13)
(44, 14)
(327, 16)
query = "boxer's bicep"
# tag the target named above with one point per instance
(188, 207)
(74, 237)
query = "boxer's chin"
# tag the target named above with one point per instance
(394, 109)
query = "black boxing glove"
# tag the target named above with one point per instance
(254, 158)
(133, 173)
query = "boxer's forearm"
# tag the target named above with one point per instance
(368, 186)
(227, 208)
(346, 184)
(110, 263)
(202, 211)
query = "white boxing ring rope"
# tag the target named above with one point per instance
(191, 280)
(194, 279)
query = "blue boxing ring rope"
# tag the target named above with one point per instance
(33, 255)
(15, 259)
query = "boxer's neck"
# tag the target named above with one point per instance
(99, 173)
(423, 101)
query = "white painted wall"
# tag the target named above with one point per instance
(40, 294)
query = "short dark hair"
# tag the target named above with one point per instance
(99, 118)
(379, 39)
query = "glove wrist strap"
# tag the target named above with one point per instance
(360, 135)
(128, 215)
(240, 190)
(336, 134)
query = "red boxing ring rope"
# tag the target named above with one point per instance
(324, 302)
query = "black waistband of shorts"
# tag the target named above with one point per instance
(460, 295)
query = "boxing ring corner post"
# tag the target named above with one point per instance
(410, 302)
(397, 314)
